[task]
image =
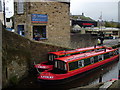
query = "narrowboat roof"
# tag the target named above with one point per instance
(76, 50)
(83, 55)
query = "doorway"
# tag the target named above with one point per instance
(20, 30)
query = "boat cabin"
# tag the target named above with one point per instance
(74, 62)
(53, 55)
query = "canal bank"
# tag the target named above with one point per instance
(115, 84)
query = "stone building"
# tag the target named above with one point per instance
(44, 21)
(119, 11)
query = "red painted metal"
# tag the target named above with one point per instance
(87, 23)
(76, 50)
(60, 53)
(47, 75)
(43, 65)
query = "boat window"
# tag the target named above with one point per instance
(73, 65)
(96, 59)
(111, 54)
(88, 51)
(92, 60)
(87, 61)
(100, 57)
(80, 52)
(106, 55)
(52, 57)
(60, 65)
(75, 53)
(62, 56)
(116, 52)
(81, 63)
(67, 55)
(84, 52)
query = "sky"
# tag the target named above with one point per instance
(9, 8)
(94, 8)
(90, 8)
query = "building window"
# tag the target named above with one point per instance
(7, 19)
(115, 32)
(39, 32)
(21, 30)
(20, 7)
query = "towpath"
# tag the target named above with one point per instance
(111, 42)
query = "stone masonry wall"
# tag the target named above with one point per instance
(58, 26)
(0, 54)
(15, 58)
(83, 40)
(19, 55)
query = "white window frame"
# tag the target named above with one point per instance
(92, 60)
(82, 63)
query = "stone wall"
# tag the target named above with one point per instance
(15, 57)
(19, 55)
(83, 40)
(0, 54)
(58, 26)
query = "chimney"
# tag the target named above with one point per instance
(82, 14)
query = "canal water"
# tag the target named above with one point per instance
(107, 72)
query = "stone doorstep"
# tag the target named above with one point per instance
(99, 86)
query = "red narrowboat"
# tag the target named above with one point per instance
(52, 55)
(67, 67)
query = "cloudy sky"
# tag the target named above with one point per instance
(93, 9)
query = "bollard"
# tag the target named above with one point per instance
(100, 78)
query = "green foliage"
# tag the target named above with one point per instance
(111, 24)
(82, 18)
(86, 18)
(118, 25)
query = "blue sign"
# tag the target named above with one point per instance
(39, 18)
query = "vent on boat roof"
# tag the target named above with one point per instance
(98, 50)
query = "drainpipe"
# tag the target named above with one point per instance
(4, 14)
(119, 65)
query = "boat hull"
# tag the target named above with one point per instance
(71, 76)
